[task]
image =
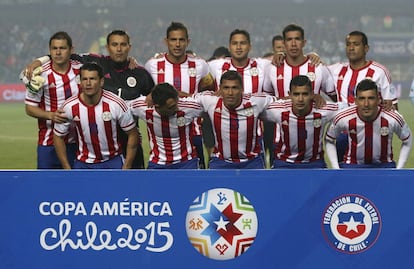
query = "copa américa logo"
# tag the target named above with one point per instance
(221, 224)
(351, 223)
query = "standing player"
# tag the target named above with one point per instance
(169, 124)
(277, 78)
(187, 73)
(234, 117)
(58, 81)
(348, 75)
(251, 69)
(370, 130)
(96, 114)
(302, 126)
(120, 77)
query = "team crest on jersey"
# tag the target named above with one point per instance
(106, 116)
(280, 77)
(341, 77)
(192, 72)
(248, 112)
(317, 123)
(180, 121)
(132, 82)
(351, 223)
(221, 224)
(254, 72)
(311, 76)
(161, 71)
(384, 131)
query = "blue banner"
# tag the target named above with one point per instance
(207, 219)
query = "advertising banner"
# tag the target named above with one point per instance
(206, 219)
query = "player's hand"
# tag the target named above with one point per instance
(319, 101)
(387, 105)
(59, 116)
(148, 100)
(314, 58)
(278, 58)
(132, 63)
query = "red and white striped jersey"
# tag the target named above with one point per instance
(346, 79)
(169, 137)
(277, 78)
(96, 126)
(369, 142)
(236, 130)
(55, 90)
(252, 74)
(184, 77)
(301, 137)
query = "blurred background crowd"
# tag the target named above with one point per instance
(26, 26)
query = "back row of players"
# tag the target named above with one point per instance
(248, 92)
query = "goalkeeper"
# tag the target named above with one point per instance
(48, 87)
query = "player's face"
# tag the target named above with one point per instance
(367, 103)
(118, 48)
(232, 93)
(239, 47)
(294, 43)
(301, 97)
(177, 43)
(169, 108)
(91, 84)
(60, 51)
(278, 46)
(355, 49)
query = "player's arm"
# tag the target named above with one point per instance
(36, 112)
(60, 148)
(131, 148)
(404, 152)
(330, 147)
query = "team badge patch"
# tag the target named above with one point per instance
(180, 121)
(384, 131)
(317, 123)
(311, 76)
(351, 223)
(192, 72)
(221, 224)
(106, 116)
(132, 82)
(254, 72)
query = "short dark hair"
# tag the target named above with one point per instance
(240, 32)
(293, 28)
(300, 80)
(361, 34)
(175, 26)
(276, 37)
(366, 85)
(92, 66)
(61, 36)
(116, 32)
(231, 75)
(162, 92)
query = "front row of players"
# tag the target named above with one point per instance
(96, 113)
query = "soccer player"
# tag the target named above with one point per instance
(370, 130)
(251, 69)
(348, 75)
(169, 125)
(234, 117)
(187, 73)
(96, 114)
(302, 126)
(277, 78)
(58, 80)
(122, 76)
